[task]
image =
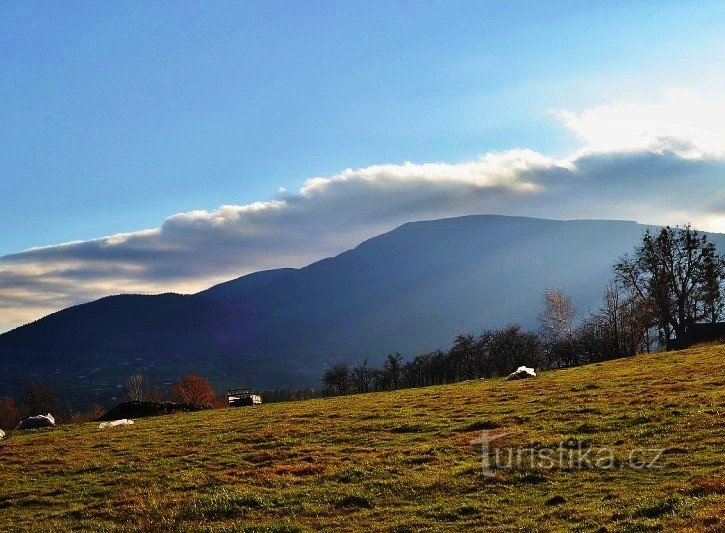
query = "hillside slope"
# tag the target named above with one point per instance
(409, 290)
(399, 461)
(240, 287)
(124, 323)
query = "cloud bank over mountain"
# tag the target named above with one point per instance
(655, 162)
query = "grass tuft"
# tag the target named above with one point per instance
(354, 500)
(221, 506)
(658, 508)
(556, 500)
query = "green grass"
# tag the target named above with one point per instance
(399, 461)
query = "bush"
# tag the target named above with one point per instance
(193, 389)
(37, 399)
(9, 414)
(92, 414)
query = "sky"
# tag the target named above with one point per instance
(165, 146)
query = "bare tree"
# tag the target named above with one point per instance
(679, 272)
(621, 328)
(484, 360)
(411, 372)
(438, 367)
(626, 321)
(337, 377)
(557, 328)
(460, 356)
(713, 299)
(511, 347)
(557, 318)
(37, 399)
(392, 367)
(381, 380)
(138, 388)
(361, 376)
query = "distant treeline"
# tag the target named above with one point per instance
(672, 281)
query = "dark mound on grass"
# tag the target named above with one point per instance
(138, 409)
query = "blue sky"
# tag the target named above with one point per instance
(114, 116)
(157, 136)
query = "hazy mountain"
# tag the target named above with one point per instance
(244, 285)
(408, 290)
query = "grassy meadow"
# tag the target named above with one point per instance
(398, 461)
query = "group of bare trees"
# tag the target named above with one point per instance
(672, 281)
(191, 389)
(493, 352)
(622, 327)
(38, 398)
(677, 275)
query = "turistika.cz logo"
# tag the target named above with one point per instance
(570, 454)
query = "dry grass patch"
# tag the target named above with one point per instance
(400, 461)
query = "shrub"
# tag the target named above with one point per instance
(92, 414)
(355, 500)
(9, 414)
(37, 399)
(658, 508)
(193, 389)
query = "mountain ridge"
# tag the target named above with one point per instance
(409, 290)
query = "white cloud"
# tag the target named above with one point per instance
(682, 122)
(655, 162)
(494, 169)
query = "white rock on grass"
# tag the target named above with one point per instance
(113, 424)
(35, 422)
(522, 372)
